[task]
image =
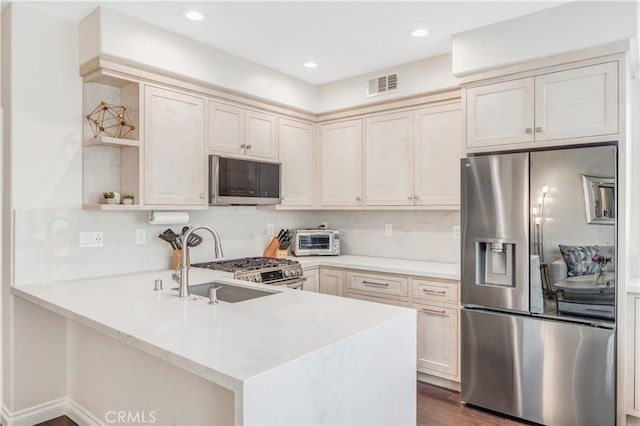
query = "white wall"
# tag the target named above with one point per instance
(572, 26)
(137, 42)
(42, 167)
(425, 75)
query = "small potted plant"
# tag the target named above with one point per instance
(109, 197)
(127, 199)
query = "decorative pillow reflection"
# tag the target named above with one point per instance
(578, 259)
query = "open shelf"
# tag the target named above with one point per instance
(104, 140)
(112, 207)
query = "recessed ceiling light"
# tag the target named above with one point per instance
(310, 64)
(193, 15)
(419, 32)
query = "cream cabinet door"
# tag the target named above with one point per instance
(577, 103)
(332, 281)
(260, 135)
(341, 163)
(174, 148)
(389, 160)
(296, 155)
(312, 282)
(226, 128)
(438, 149)
(437, 340)
(500, 114)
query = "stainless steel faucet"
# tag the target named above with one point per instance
(182, 277)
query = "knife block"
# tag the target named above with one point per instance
(176, 259)
(272, 248)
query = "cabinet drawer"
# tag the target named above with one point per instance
(437, 291)
(377, 283)
(378, 300)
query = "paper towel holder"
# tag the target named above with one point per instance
(168, 218)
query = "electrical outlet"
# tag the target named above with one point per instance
(91, 239)
(141, 236)
(388, 230)
(270, 229)
(455, 230)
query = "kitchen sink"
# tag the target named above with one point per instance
(229, 293)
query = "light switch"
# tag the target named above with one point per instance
(141, 236)
(91, 239)
(388, 230)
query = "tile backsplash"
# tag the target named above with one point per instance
(47, 240)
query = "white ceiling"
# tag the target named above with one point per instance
(344, 38)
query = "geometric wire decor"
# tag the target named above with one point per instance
(113, 120)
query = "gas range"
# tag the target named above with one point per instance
(265, 270)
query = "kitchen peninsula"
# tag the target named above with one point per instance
(294, 357)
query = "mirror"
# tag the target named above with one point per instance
(599, 199)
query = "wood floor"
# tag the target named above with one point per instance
(436, 407)
(442, 407)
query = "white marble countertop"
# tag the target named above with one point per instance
(450, 271)
(225, 343)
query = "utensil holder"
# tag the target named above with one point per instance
(176, 259)
(281, 254)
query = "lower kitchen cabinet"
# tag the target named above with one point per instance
(438, 340)
(437, 302)
(332, 281)
(633, 355)
(377, 299)
(312, 282)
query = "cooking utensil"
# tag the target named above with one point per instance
(172, 238)
(167, 239)
(194, 240)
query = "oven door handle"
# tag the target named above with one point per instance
(297, 283)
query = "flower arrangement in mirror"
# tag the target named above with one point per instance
(113, 120)
(601, 262)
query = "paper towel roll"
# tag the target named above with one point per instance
(168, 218)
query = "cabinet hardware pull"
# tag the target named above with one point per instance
(528, 130)
(248, 146)
(375, 284)
(432, 311)
(358, 198)
(433, 291)
(201, 195)
(415, 197)
(410, 197)
(538, 129)
(243, 146)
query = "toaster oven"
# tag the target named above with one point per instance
(316, 242)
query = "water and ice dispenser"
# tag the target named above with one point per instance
(495, 262)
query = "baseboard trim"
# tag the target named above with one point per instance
(80, 415)
(47, 411)
(439, 381)
(36, 414)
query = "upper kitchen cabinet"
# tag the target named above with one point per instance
(438, 149)
(500, 114)
(389, 161)
(241, 132)
(578, 102)
(174, 149)
(575, 103)
(110, 153)
(341, 164)
(296, 156)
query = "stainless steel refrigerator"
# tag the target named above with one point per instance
(538, 317)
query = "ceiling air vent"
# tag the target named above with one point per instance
(381, 85)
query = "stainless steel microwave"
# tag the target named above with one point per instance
(234, 181)
(316, 242)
